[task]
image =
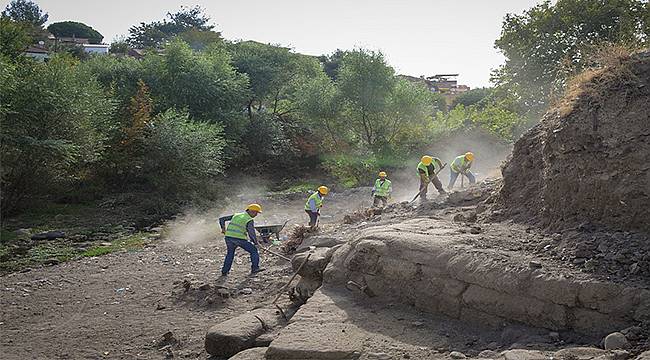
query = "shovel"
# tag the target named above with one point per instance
(419, 193)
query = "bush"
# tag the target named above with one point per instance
(54, 124)
(182, 158)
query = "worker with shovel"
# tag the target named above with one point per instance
(238, 232)
(381, 191)
(314, 203)
(427, 170)
(460, 166)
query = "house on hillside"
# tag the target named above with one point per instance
(37, 52)
(101, 49)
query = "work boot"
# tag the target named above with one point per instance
(253, 272)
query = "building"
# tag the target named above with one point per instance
(37, 52)
(101, 49)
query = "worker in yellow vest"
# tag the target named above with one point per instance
(381, 191)
(239, 231)
(314, 203)
(460, 166)
(427, 169)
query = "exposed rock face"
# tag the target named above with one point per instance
(587, 161)
(402, 262)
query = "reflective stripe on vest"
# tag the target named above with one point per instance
(382, 189)
(237, 226)
(317, 200)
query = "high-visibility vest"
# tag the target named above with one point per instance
(424, 168)
(237, 226)
(437, 163)
(460, 163)
(317, 199)
(382, 188)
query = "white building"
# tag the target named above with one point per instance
(96, 48)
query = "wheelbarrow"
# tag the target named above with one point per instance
(266, 231)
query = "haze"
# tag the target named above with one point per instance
(418, 37)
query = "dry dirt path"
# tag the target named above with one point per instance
(118, 306)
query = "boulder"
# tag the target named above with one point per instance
(316, 264)
(615, 341)
(240, 333)
(519, 354)
(256, 353)
(579, 353)
(329, 341)
(319, 241)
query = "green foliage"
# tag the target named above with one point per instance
(119, 47)
(54, 125)
(332, 62)
(191, 24)
(181, 157)
(25, 11)
(548, 43)
(75, 29)
(497, 120)
(472, 97)
(14, 38)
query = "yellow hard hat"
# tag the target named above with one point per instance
(382, 173)
(323, 190)
(469, 156)
(426, 160)
(254, 207)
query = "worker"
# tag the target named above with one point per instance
(238, 233)
(461, 165)
(381, 191)
(314, 203)
(427, 169)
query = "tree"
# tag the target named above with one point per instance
(25, 11)
(55, 120)
(119, 47)
(14, 38)
(546, 44)
(365, 82)
(188, 23)
(75, 29)
(332, 62)
(471, 97)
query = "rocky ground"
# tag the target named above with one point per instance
(160, 301)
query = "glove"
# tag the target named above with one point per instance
(223, 231)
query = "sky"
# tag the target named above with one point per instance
(418, 37)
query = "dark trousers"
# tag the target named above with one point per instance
(425, 185)
(232, 244)
(380, 201)
(313, 216)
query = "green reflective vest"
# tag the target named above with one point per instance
(437, 163)
(317, 199)
(237, 226)
(382, 189)
(460, 164)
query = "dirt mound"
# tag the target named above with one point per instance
(587, 162)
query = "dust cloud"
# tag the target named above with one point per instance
(489, 152)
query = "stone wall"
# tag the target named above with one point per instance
(470, 284)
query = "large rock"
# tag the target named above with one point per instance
(329, 341)
(615, 341)
(316, 264)
(49, 235)
(239, 333)
(519, 354)
(319, 241)
(579, 353)
(256, 353)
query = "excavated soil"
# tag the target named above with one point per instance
(586, 163)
